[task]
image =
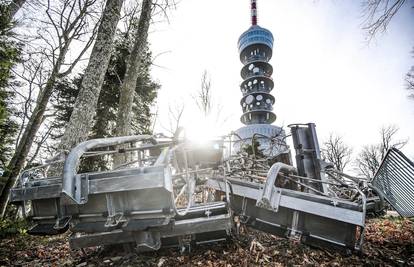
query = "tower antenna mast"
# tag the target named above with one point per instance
(253, 8)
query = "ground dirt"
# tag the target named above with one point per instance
(388, 242)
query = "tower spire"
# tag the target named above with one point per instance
(253, 8)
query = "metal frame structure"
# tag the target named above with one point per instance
(176, 193)
(306, 202)
(134, 204)
(172, 192)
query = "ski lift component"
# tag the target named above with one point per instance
(320, 220)
(202, 226)
(308, 158)
(121, 204)
(75, 187)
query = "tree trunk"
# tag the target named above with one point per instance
(127, 89)
(14, 6)
(81, 120)
(126, 97)
(17, 162)
(103, 46)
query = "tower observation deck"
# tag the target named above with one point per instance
(256, 48)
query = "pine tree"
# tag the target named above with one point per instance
(9, 56)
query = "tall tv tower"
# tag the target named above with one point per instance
(255, 49)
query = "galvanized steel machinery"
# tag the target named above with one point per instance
(174, 192)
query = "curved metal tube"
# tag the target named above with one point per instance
(364, 212)
(70, 187)
(189, 183)
(265, 200)
(379, 193)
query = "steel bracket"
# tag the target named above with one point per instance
(271, 203)
(115, 220)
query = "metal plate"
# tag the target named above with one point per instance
(395, 179)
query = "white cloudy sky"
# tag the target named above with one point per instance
(324, 71)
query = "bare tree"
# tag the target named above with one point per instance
(32, 76)
(65, 23)
(175, 114)
(378, 14)
(40, 143)
(410, 82)
(209, 106)
(409, 79)
(369, 159)
(388, 139)
(204, 99)
(336, 151)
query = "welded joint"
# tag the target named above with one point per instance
(147, 240)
